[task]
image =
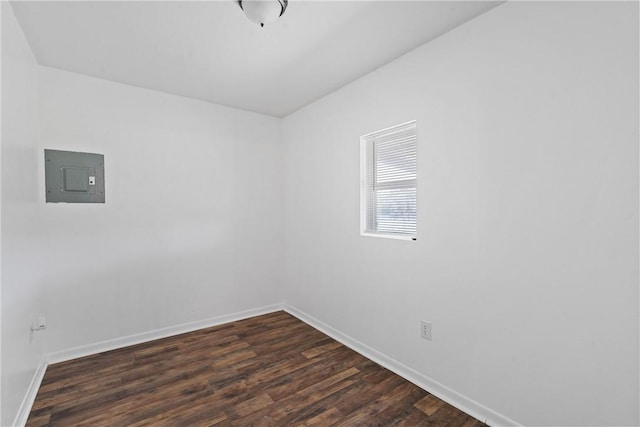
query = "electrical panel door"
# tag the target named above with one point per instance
(74, 177)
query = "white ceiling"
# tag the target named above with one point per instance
(209, 50)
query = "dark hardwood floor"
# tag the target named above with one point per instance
(271, 370)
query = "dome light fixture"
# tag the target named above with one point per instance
(263, 11)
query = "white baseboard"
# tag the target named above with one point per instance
(30, 396)
(441, 391)
(102, 346)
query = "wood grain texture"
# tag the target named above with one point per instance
(271, 370)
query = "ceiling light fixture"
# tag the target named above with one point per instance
(263, 11)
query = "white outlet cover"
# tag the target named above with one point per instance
(425, 330)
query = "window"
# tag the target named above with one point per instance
(388, 182)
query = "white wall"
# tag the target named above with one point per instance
(191, 227)
(20, 297)
(527, 253)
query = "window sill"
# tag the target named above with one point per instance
(389, 236)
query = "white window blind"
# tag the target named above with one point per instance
(389, 184)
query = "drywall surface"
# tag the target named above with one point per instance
(20, 354)
(526, 261)
(191, 227)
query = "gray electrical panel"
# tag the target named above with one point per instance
(73, 177)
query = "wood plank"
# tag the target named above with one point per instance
(325, 418)
(320, 350)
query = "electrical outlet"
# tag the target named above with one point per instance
(425, 330)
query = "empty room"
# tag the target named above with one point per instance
(319, 213)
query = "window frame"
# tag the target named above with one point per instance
(367, 141)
